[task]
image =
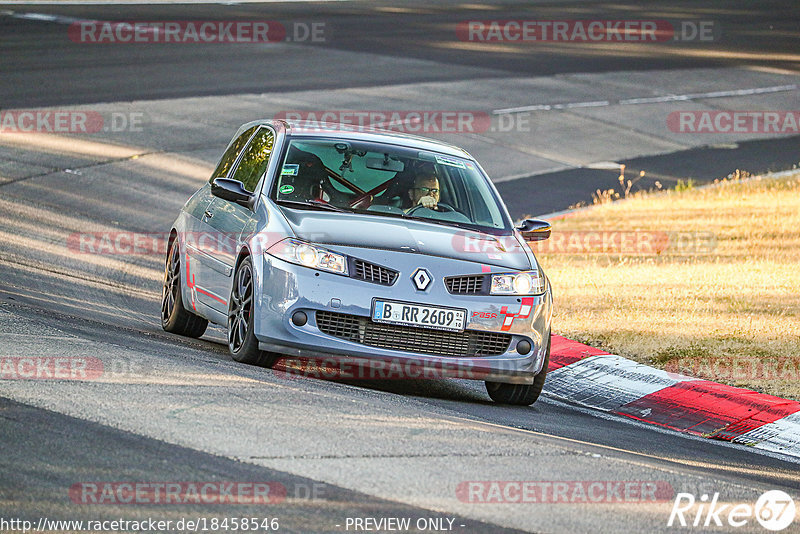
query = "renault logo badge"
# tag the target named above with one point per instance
(422, 279)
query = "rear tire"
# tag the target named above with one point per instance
(242, 341)
(520, 394)
(175, 318)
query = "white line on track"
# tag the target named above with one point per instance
(649, 100)
(548, 107)
(43, 17)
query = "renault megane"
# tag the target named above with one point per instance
(314, 240)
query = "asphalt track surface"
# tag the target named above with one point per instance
(40, 68)
(172, 409)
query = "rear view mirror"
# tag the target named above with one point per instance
(385, 164)
(535, 229)
(231, 190)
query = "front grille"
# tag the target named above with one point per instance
(371, 272)
(468, 343)
(465, 285)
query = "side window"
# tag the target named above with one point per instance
(255, 159)
(229, 157)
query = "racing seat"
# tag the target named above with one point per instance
(311, 180)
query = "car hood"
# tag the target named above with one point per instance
(405, 235)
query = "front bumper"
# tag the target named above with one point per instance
(285, 289)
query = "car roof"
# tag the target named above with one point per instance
(365, 133)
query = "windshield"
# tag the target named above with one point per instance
(389, 181)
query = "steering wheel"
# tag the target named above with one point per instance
(444, 207)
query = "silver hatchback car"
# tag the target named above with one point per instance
(353, 244)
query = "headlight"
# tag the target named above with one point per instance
(524, 283)
(309, 255)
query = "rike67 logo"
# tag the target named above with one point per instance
(774, 510)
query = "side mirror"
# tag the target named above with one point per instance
(535, 229)
(232, 190)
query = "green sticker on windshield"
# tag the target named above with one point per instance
(286, 189)
(290, 169)
(453, 162)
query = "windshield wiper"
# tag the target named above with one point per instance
(442, 222)
(313, 203)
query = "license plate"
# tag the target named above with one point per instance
(422, 315)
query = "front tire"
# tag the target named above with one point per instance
(520, 394)
(175, 318)
(242, 341)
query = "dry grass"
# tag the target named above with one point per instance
(729, 311)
